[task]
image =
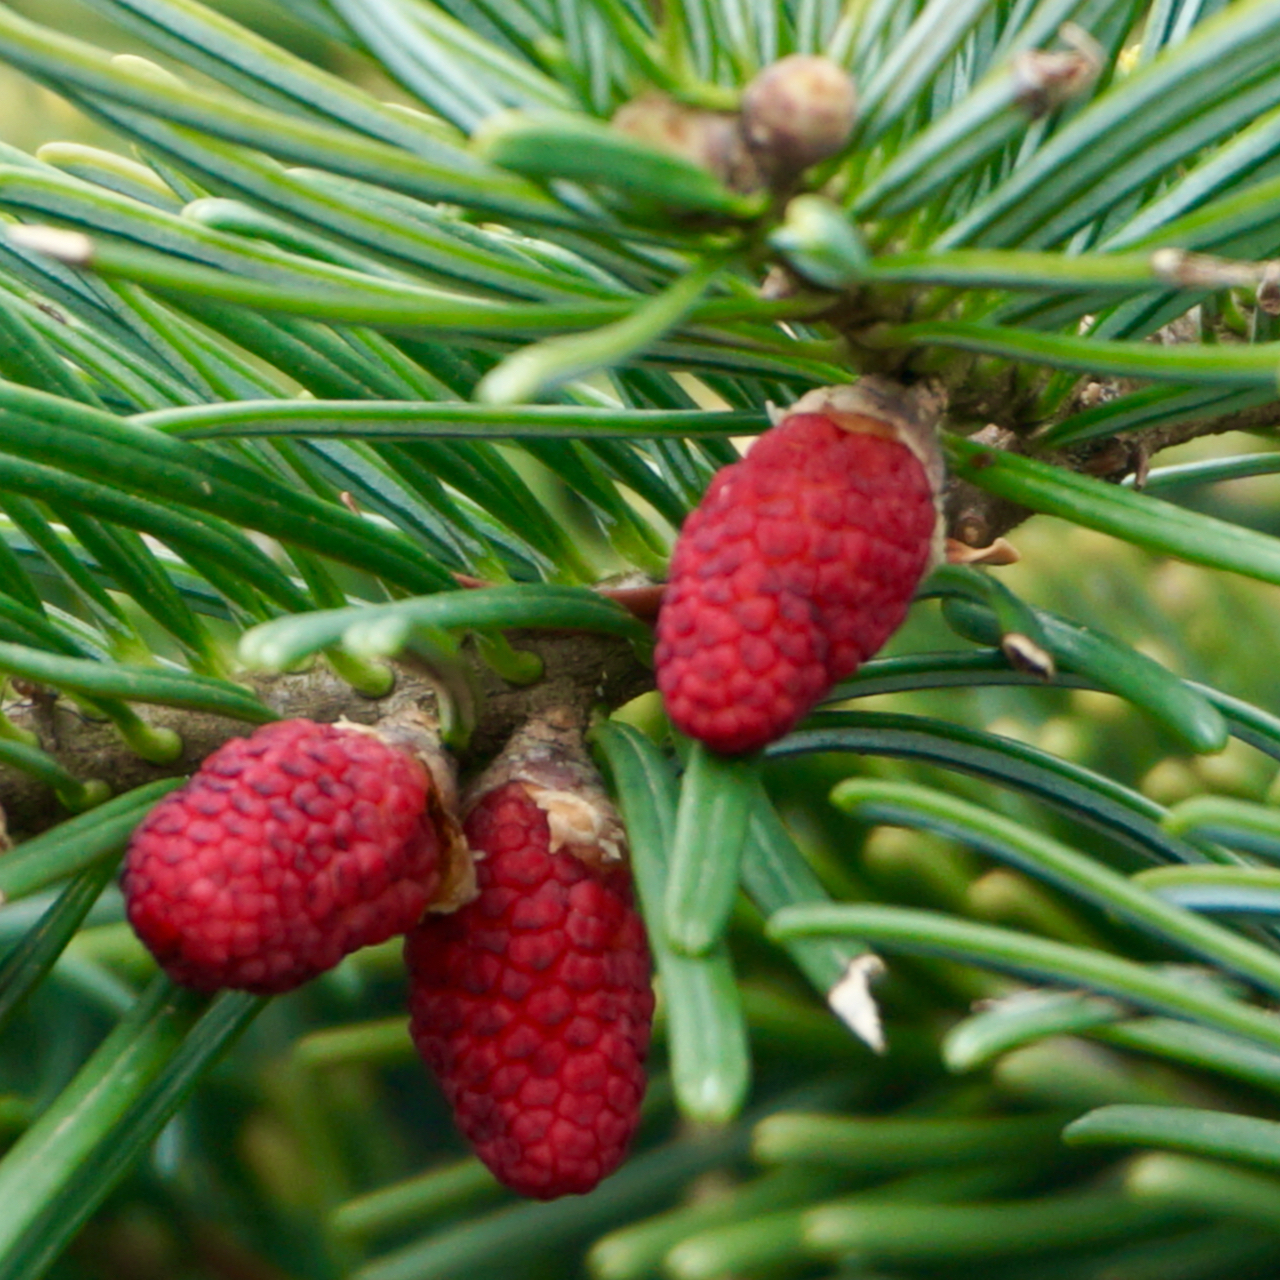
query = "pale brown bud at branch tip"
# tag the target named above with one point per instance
(798, 111)
(710, 139)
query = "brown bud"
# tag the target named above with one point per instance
(710, 139)
(1047, 79)
(798, 111)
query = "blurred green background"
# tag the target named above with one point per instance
(31, 115)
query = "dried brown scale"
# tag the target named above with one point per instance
(413, 727)
(547, 755)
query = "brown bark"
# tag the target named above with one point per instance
(976, 518)
(581, 671)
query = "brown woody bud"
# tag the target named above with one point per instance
(710, 139)
(798, 111)
(1047, 79)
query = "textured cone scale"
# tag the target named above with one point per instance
(532, 1004)
(798, 565)
(285, 852)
